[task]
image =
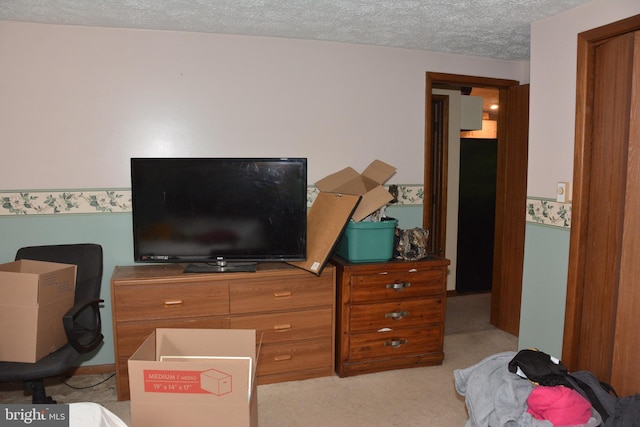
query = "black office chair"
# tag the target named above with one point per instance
(82, 323)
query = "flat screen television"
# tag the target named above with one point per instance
(219, 214)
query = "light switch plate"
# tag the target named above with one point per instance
(561, 192)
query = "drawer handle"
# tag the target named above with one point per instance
(396, 315)
(283, 358)
(398, 286)
(171, 303)
(284, 294)
(395, 343)
(282, 328)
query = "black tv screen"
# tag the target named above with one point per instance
(214, 210)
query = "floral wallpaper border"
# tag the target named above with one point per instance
(42, 202)
(39, 202)
(548, 212)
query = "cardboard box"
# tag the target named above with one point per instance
(195, 377)
(343, 195)
(34, 296)
(326, 221)
(367, 185)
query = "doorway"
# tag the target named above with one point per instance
(476, 214)
(512, 139)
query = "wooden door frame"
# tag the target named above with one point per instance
(437, 236)
(504, 209)
(585, 80)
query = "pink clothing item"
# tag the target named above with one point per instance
(560, 405)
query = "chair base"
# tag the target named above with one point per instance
(38, 394)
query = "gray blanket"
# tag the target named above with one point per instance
(494, 396)
(498, 398)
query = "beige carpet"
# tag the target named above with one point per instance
(405, 397)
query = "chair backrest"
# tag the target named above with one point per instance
(87, 256)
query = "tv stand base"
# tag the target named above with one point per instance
(231, 267)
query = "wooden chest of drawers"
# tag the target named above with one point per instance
(389, 315)
(292, 310)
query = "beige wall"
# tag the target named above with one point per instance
(553, 89)
(551, 147)
(78, 102)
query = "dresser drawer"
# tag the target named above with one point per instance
(298, 356)
(131, 335)
(289, 293)
(397, 314)
(295, 325)
(389, 285)
(170, 301)
(390, 344)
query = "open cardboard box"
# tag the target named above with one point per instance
(367, 185)
(344, 195)
(195, 377)
(34, 296)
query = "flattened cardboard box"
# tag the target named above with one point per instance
(344, 195)
(34, 296)
(367, 185)
(195, 377)
(326, 220)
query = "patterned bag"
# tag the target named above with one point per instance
(410, 245)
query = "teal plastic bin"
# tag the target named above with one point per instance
(367, 241)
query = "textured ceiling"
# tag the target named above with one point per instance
(489, 28)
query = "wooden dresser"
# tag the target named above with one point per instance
(290, 308)
(389, 315)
